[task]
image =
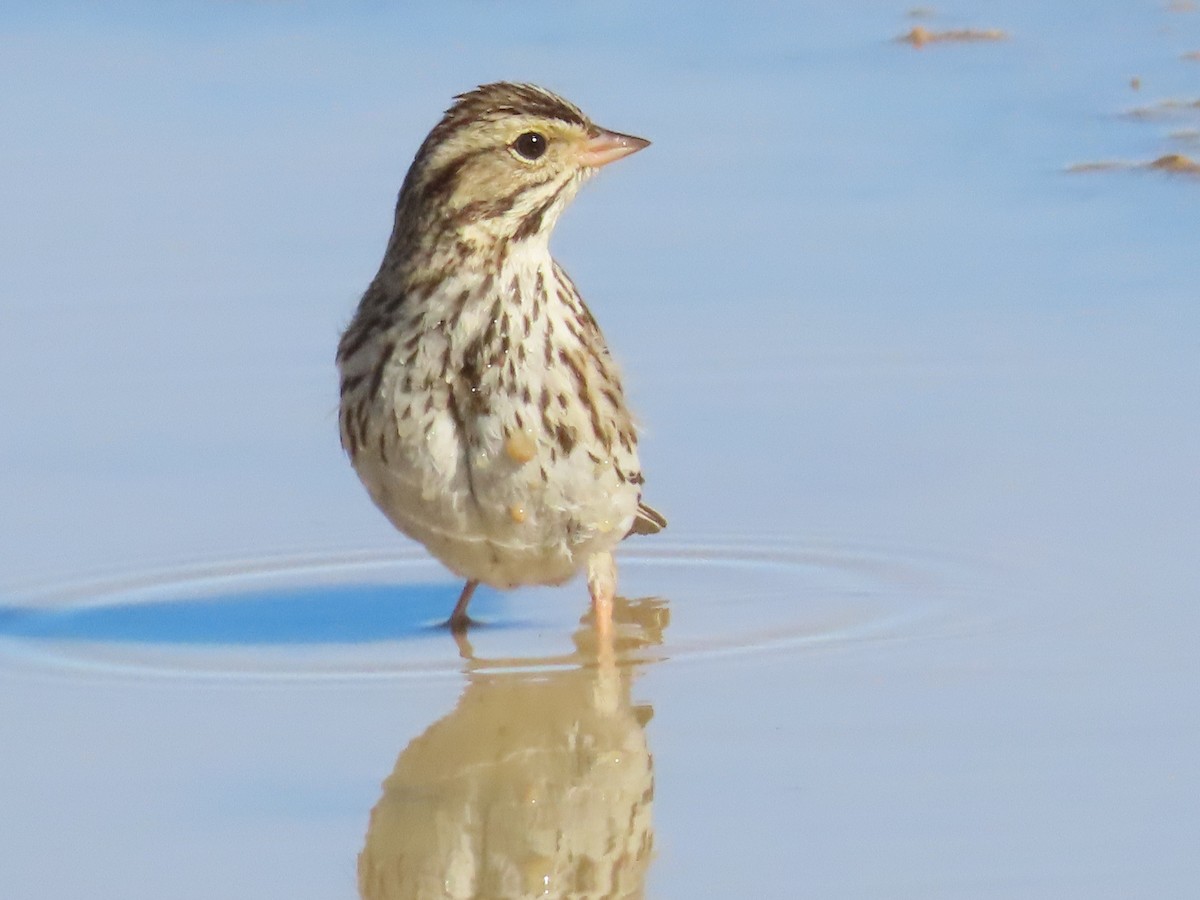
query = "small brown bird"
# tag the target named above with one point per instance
(479, 403)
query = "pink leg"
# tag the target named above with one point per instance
(459, 620)
(602, 585)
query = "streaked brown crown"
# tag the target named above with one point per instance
(501, 99)
(473, 180)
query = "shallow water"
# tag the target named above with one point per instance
(919, 402)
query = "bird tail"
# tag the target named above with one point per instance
(647, 521)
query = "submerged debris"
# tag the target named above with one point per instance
(1099, 166)
(920, 36)
(1163, 108)
(1174, 163)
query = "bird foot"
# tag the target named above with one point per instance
(460, 624)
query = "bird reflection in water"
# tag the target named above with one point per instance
(539, 783)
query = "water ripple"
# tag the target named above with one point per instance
(376, 615)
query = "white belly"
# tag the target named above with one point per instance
(492, 515)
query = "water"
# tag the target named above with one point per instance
(918, 401)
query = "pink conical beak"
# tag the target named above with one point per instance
(609, 146)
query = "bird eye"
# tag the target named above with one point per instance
(530, 145)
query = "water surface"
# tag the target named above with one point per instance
(919, 401)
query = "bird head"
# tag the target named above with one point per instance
(503, 163)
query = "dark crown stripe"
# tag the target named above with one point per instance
(505, 98)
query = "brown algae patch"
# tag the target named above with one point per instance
(920, 36)
(1173, 163)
